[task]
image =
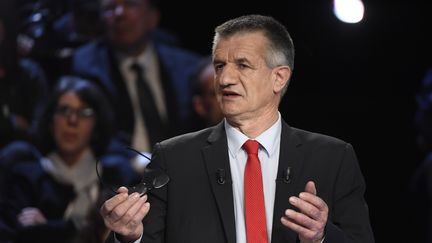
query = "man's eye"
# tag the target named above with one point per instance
(242, 66)
(218, 67)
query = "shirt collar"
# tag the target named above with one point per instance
(145, 58)
(268, 139)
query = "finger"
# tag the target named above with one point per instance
(306, 207)
(113, 202)
(119, 211)
(29, 216)
(306, 227)
(137, 214)
(22, 218)
(309, 195)
(133, 215)
(122, 189)
(24, 221)
(29, 213)
(299, 218)
(131, 222)
(313, 200)
(310, 187)
(297, 222)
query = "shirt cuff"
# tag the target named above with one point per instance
(137, 241)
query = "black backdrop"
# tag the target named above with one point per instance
(353, 81)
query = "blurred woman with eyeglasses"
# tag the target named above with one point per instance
(53, 187)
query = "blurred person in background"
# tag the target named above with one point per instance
(205, 106)
(52, 185)
(23, 85)
(145, 75)
(81, 23)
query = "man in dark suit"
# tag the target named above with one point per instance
(312, 186)
(133, 48)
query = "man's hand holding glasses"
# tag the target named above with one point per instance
(124, 212)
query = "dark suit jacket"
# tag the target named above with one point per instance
(195, 208)
(96, 61)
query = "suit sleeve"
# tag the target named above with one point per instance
(154, 222)
(349, 218)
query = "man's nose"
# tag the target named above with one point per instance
(227, 76)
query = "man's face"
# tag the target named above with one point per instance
(244, 84)
(129, 22)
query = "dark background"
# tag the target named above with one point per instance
(352, 81)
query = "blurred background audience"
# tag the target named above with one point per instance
(51, 186)
(146, 79)
(23, 85)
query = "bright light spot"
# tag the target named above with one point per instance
(349, 11)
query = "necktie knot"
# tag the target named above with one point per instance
(251, 147)
(136, 67)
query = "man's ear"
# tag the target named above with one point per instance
(282, 75)
(154, 18)
(198, 105)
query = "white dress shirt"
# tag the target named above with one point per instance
(268, 154)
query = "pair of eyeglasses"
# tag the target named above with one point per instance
(67, 111)
(152, 179)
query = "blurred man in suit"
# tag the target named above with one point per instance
(132, 56)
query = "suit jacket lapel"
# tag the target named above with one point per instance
(290, 157)
(119, 94)
(171, 101)
(216, 159)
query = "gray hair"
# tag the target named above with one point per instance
(281, 47)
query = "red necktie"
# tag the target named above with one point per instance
(256, 229)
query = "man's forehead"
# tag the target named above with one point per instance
(238, 53)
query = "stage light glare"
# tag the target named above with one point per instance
(348, 11)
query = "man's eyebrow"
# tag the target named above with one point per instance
(242, 60)
(237, 60)
(217, 61)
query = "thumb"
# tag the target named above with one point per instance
(310, 187)
(122, 189)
